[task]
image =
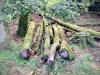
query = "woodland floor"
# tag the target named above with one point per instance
(87, 62)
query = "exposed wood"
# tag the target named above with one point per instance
(75, 27)
(54, 46)
(25, 48)
(65, 50)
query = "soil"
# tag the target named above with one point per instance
(87, 18)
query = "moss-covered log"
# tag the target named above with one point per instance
(75, 27)
(54, 46)
(84, 39)
(65, 50)
(46, 40)
(25, 48)
(36, 49)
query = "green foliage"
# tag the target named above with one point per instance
(13, 56)
(15, 8)
(10, 62)
(68, 9)
(65, 9)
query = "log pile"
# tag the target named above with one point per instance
(50, 38)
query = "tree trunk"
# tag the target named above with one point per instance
(26, 46)
(75, 27)
(23, 25)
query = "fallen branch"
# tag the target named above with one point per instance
(35, 71)
(75, 27)
(90, 24)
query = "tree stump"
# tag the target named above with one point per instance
(84, 39)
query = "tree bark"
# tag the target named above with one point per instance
(51, 34)
(26, 46)
(35, 38)
(23, 25)
(36, 49)
(84, 39)
(75, 27)
(46, 41)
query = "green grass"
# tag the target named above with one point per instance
(10, 63)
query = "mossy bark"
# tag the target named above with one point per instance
(54, 46)
(51, 34)
(35, 38)
(23, 25)
(36, 49)
(46, 41)
(84, 39)
(46, 38)
(75, 27)
(64, 44)
(28, 38)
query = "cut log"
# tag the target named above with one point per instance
(46, 41)
(75, 27)
(84, 39)
(54, 46)
(25, 48)
(65, 50)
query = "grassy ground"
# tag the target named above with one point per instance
(84, 64)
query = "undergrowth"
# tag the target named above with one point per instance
(11, 64)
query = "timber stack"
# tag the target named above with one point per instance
(50, 39)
